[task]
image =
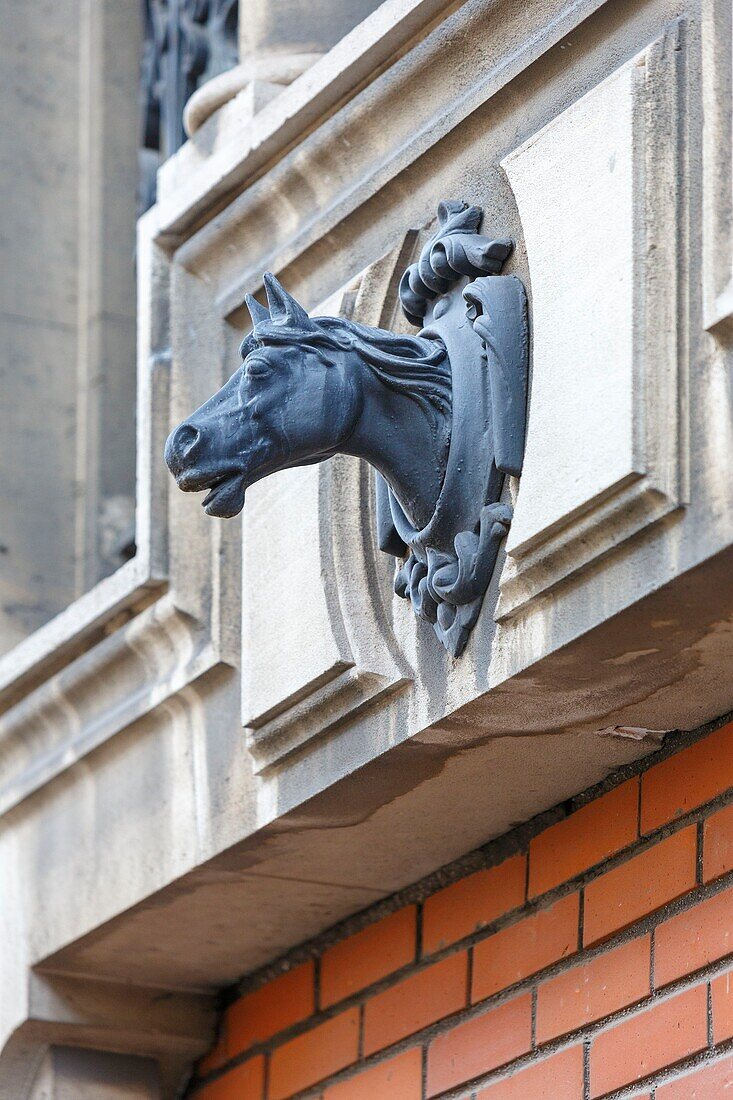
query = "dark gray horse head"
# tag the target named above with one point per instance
(309, 388)
(440, 415)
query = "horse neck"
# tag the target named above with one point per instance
(406, 440)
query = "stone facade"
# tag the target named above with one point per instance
(218, 750)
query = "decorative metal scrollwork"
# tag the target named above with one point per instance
(439, 415)
(185, 43)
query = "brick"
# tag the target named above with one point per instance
(641, 885)
(710, 1082)
(596, 989)
(526, 947)
(559, 1077)
(480, 1045)
(369, 955)
(722, 998)
(657, 1037)
(246, 1080)
(218, 1056)
(473, 902)
(687, 780)
(587, 837)
(717, 850)
(315, 1055)
(416, 1002)
(398, 1079)
(258, 1016)
(693, 939)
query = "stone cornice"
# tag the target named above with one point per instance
(197, 182)
(160, 652)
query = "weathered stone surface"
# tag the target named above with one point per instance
(148, 839)
(606, 449)
(717, 43)
(67, 303)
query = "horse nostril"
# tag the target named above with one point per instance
(186, 439)
(180, 444)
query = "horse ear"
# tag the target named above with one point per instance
(284, 310)
(256, 311)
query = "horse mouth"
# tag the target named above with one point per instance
(225, 497)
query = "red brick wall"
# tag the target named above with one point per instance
(593, 959)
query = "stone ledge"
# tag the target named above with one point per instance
(314, 858)
(192, 185)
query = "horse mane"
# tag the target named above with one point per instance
(416, 366)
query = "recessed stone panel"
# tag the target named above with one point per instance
(717, 41)
(596, 191)
(316, 644)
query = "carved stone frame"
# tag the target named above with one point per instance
(717, 49)
(657, 485)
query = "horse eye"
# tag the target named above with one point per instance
(257, 368)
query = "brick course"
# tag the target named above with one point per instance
(560, 1075)
(480, 1044)
(598, 988)
(661, 1035)
(718, 844)
(526, 947)
(640, 885)
(596, 958)
(364, 958)
(416, 1002)
(271, 1009)
(314, 1055)
(398, 1079)
(711, 1082)
(245, 1080)
(688, 779)
(694, 938)
(472, 903)
(592, 833)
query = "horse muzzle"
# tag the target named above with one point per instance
(225, 499)
(184, 460)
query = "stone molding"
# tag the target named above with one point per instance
(192, 187)
(268, 76)
(142, 579)
(156, 655)
(717, 42)
(171, 1027)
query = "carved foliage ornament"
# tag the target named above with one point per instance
(440, 415)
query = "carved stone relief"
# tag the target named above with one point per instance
(439, 415)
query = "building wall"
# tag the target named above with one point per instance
(582, 957)
(68, 171)
(243, 736)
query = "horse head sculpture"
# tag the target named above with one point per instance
(309, 388)
(439, 415)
